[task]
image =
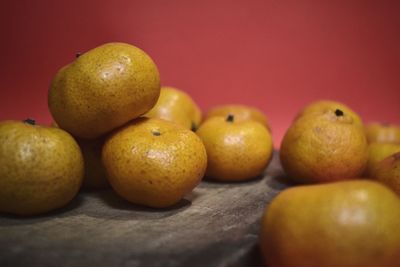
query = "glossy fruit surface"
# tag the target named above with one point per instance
(102, 89)
(41, 168)
(236, 151)
(154, 162)
(341, 224)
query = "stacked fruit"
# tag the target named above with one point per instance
(341, 220)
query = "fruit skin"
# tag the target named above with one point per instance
(324, 147)
(383, 133)
(241, 113)
(236, 150)
(176, 106)
(103, 89)
(154, 162)
(388, 172)
(341, 224)
(95, 174)
(322, 106)
(41, 168)
(377, 152)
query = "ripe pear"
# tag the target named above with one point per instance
(177, 106)
(377, 152)
(388, 172)
(340, 224)
(41, 168)
(103, 89)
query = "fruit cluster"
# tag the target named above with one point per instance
(115, 125)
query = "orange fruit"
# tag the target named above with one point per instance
(327, 105)
(377, 152)
(387, 172)
(383, 133)
(41, 168)
(236, 150)
(341, 224)
(154, 162)
(177, 106)
(240, 112)
(103, 89)
(324, 147)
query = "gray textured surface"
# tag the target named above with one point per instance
(216, 225)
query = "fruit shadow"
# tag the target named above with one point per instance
(106, 204)
(71, 209)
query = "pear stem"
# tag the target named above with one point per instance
(230, 118)
(339, 112)
(78, 54)
(30, 121)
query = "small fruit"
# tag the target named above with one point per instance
(241, 113)
(377, 152)
(341, 224)
(176, 106)
(41, 168)
(388, 172)
(154, 162)
(236, 150)
(324, 147)
(102, 89)
(383, 133)
(326, 105)
(95, 175)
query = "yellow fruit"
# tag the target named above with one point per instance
(377, 152)
(241, 113)
(324, 147)
(154, 162)
(95, 175)
(176, 106)
(341, 224)
(103, 89)
(41, 168)
(236, 150)
(388, 172)
(383, 133)
(322, 106)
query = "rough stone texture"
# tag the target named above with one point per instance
(216, 225)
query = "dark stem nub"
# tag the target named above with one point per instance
(230, 118)
(30, 121)
(193, 126)
(78, 54)
(156, 133)
(339, 113)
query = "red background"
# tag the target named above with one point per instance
(276, 55)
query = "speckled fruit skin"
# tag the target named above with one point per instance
(383, 133)
(103, 89)
(177, 106)
(41, 168)
(387, 172)
(322, 106)
(236, 151)
(154, 162)
(324, 147)
(340, 224)
(241, 113)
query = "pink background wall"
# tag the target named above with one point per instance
(276, 55)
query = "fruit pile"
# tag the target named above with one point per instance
(116, 126)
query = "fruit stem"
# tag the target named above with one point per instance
(193, 127)
(339, 113)
(30, 121)
(156, 133)
(78, 55)
(230, 118)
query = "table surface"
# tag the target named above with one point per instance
(216, 225)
